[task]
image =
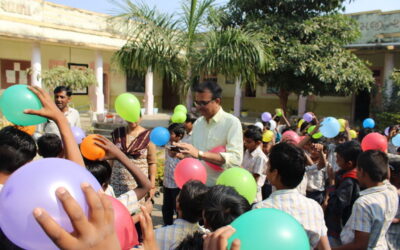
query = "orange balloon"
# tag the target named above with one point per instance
(90, 150)
(30, 130)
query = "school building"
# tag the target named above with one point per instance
(40, 35)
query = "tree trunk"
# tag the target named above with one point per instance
(283, 99)
(238, 96)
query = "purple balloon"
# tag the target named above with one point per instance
(307, 117)
(266, 116)
(387, 131)
(34, 185)
(79, 134)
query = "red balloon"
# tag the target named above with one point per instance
(374, 141)
(218, 149)
(123, 224)
(291, 137)
(189, 169)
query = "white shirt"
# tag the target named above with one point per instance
(73, 118)
(169, 169)
(316, 178)
(372, 213)
(223, 129)
(129, 199)
(256, 163)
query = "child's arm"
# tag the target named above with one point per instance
(322, 156)
(152, 161)
(52, 112)
(113, 152)
(360, 242)
(323, 243)
(286, 121)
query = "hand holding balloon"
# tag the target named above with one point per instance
(111, 150)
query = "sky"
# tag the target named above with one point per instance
(170, 6)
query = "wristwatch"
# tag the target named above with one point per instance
(201, 154)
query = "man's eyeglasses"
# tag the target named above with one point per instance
(202, 103)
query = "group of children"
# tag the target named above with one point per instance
(343, 197)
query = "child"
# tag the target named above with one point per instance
(189, 206)
(285, 171)
(50, 145)
(171, 190)
(343, 191)
(376, 207)
(190, 120)
(254, 159)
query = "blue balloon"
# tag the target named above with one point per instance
(396, 140)
(330, 127)
(369, 123)
(160, 136)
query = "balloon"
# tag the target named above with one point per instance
(128, 107)
(353, 134)
(272, 125)
(180, 108)
(374, 141)
(260, 125)
(178, 117)
(160, 136)
(30, 130)
(278, 112)
(189, 169)
(342, 123)
(34, 185)
(268, 136)
(330, 127)
(387, 129)
(308, 117)
(15, 100)
(78, 133)
(369, 123)
(240, 179)
(90, 150)
(396, 140)
(291, 137)
(316, 135)
(123, 224)
(266, 116)
(269, 228)
(300, 123)
(218, 149)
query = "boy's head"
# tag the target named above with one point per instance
(189, 123)
(363, 132)
(190, 201)
(192, 242)
(101, 170)
(222, 205)
(177, 131)
(341, 138)
(50, 145)
(287, 165)
(252, 138)
(17, 149)
(372, 167)
(266, 147)
(347, 154)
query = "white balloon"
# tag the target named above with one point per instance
(260, 125)
(272, 125)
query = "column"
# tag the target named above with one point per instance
(148, 95)
(36, 64)
(302, 105)
(98, 97)
(238, 97)
(389, 65)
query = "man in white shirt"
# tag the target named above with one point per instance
(62, 96)
(214, 128)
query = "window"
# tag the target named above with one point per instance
(135, 84)
(272, 90)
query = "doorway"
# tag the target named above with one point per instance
(170, 96)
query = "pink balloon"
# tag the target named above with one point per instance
(218, 149)
(291, 137)
(126, 231)
(189, 169)
(374, 141)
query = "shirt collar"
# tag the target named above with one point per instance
(185, 222)
(285, 191)
(372, 190)
(256, 151)
(218, 116)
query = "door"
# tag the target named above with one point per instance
(171, 97)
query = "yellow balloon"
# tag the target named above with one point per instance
(300, 123)
(353, 134)
(342, 123)
(268, 136)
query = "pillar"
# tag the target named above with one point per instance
(36, 64)
(98, 97)
(302, 105)
(238, 97)
(389, 66)
(148, 95)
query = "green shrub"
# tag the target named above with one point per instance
(385, 119)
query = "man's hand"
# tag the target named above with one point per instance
(93, 232)
(218, 240)
(188, 149)
(112, 151)
(49, 110)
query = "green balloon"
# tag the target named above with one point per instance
(240, 179)
(178, 117)
(269, 228)
(316, 135)
(128, 107)
(180, 108)
(15, 100)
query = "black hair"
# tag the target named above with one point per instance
(349, 151)
(101, 170)
(177, 128)
(213, 87)
(254, 134)
(191, 200)
(49, 145)
(222, 205)
(192, 242)
(67, 90)
(290, 162)
(363, 132)
(341, 135)
(17, 146)
(375, 163)
(190, 118)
